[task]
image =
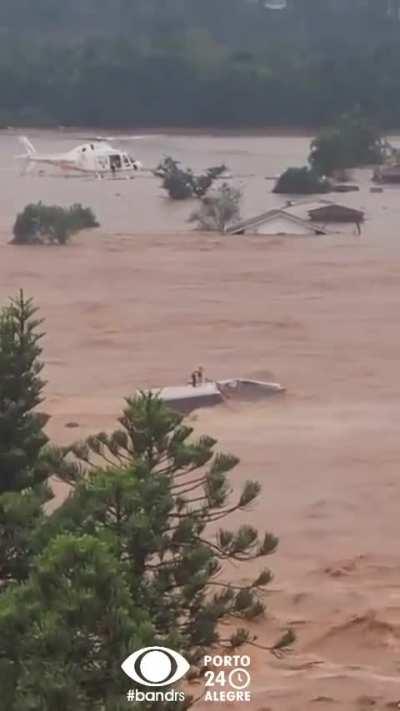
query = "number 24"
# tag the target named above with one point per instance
(212, 678)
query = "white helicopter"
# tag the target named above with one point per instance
(98, 157)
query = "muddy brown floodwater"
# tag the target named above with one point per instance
(142, 300)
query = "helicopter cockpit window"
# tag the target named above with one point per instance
(126, 160)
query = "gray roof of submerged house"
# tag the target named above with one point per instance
(319, 209)
(179, 392)
(185, 398)
(303, 208)
(270, 215)
(336, 213)
(307, 213)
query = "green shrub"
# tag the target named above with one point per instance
(181, 184)
(303, 181)
(81, 218)
(51, 224)
(351, 142)
(178, 185)
(202, 183)
(219, 210)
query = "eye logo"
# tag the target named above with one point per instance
(155, 666)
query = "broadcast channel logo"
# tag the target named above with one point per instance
(155, 666)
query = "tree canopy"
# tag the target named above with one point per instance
(219, 210)
(301, 181)
(352, 141)
(198, 63)
(65, 632)
(181, 183)
(51, 224)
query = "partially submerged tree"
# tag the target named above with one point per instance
(177, 182)
(81, 218)
(218, 210)
(181, 184)
(352, 141)
(51, 224)
(301, 181)
(202, 183)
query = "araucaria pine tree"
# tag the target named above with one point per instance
(22, 435)
(23, 466)
(160, 500)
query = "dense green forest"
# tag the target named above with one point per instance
(198, 62)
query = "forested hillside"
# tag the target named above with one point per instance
(198, 62)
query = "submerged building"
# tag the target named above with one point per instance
(300, 219)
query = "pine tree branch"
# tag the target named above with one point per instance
(197, 482)
(187, 470)
(229, 586)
